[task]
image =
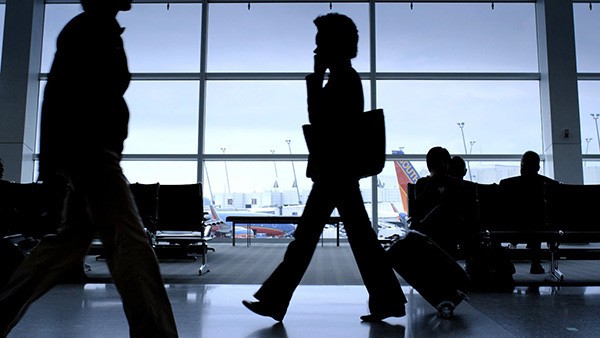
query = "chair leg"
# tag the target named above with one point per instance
(204, 264)
(554, 271)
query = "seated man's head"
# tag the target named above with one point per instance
(106, 6)
(530, 163)
(457, 167)
(438, 160)
(337, 38)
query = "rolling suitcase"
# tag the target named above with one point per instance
(438, 278)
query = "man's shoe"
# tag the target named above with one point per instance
(537, 269)
(377, 317)
(260, 308)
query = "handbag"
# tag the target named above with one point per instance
(364, 144)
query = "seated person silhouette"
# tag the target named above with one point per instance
(526, 194)
(457, 167)
(439, 210)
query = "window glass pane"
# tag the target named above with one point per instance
(587, 40)
(158, 39)
(589, 103)
(233, 184)
(164, 172)
(2, 11)
(242, 40)
(39, 116)
(55, 19)
(163, 117)
(591, 172)
(501, 117)
(456, 37)
(257, 116)
(155, 39)
(261, 117)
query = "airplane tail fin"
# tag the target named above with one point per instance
(406, 173)
(213, 214)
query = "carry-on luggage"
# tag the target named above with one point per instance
(438, 278)
(491, 269)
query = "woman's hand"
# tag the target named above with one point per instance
(319, 67)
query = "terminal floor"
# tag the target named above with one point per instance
(328, 302)
(210, 310)
(331, 265)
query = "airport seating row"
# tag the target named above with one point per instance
(555, 214)
(172, 214)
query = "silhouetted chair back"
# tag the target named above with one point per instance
(411, 191)
(181, 221)
(488, 201)
(180, 208)
(525, 208)
(146, 200)
(572, 210)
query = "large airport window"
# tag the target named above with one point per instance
(587, 40)
(163, 117)
(500, 117)
(254, 117)
(251, 40)
(163, 172)
(589, 111)
(455, 37)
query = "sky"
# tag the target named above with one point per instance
(256, 117)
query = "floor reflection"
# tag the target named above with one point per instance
(275, 331)
(94, 310)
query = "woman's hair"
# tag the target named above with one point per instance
(87, 4)
(91, 5)
(339, 31)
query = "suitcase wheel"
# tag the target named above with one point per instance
(446, 309)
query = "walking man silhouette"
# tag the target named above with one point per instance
(333, 110)
(83, 127)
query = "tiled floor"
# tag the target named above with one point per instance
(94, 310)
